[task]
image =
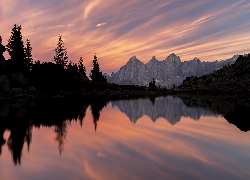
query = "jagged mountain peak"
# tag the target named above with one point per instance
(133, 58)
(196, 59)
(173, 58)
(153, 59)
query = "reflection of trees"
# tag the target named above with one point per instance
(61, 132)
(18, 136)
(82, 113)
(2, 140)
(29, 134)
(96, 109)
(152, 99)
(19, 119)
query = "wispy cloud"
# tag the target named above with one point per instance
(89, 7)
(101, 24)
(206, 29)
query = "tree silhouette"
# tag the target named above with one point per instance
(16, 51)
(2, 50)
(72, 68)
(152, 83)
(28, 58)
(81, 68)
(61, 53)
(2, 59)
(96, 74)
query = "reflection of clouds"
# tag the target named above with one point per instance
(208, 29)
(145, 149)
(90, 171)
(210, 148)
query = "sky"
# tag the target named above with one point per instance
(118, 29)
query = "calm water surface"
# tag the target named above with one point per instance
(160, 138)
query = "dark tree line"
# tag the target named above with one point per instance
(58, 75)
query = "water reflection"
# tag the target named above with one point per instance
(170, 108)
(235, 109)
(20, 118)
(96, 108)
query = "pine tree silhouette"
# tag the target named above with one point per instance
(72, 68)
(96, 74)
(61, 53)
(2, 59)
(2, 50)
(81, 68)
(16, 51)
(29, 59)
(152, 83)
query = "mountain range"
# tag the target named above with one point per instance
(169, 72)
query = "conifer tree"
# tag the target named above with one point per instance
(2, 50)
(29, 59)
(81, 68)
(96, 74)
(61, 53)
(69, 66)
(15, 48)
(152, 83)
(2, 59)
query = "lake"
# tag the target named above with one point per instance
(186, 137)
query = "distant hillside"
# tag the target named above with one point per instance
(166, 73)
(231, 78)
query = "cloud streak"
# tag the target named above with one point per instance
(117, 30)
(101, 24)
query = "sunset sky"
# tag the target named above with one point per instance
(118, 29)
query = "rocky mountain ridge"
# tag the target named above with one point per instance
(169, 72)
(233, 78)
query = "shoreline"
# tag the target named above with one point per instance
(111, 94)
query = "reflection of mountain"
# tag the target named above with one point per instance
(169, 108)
